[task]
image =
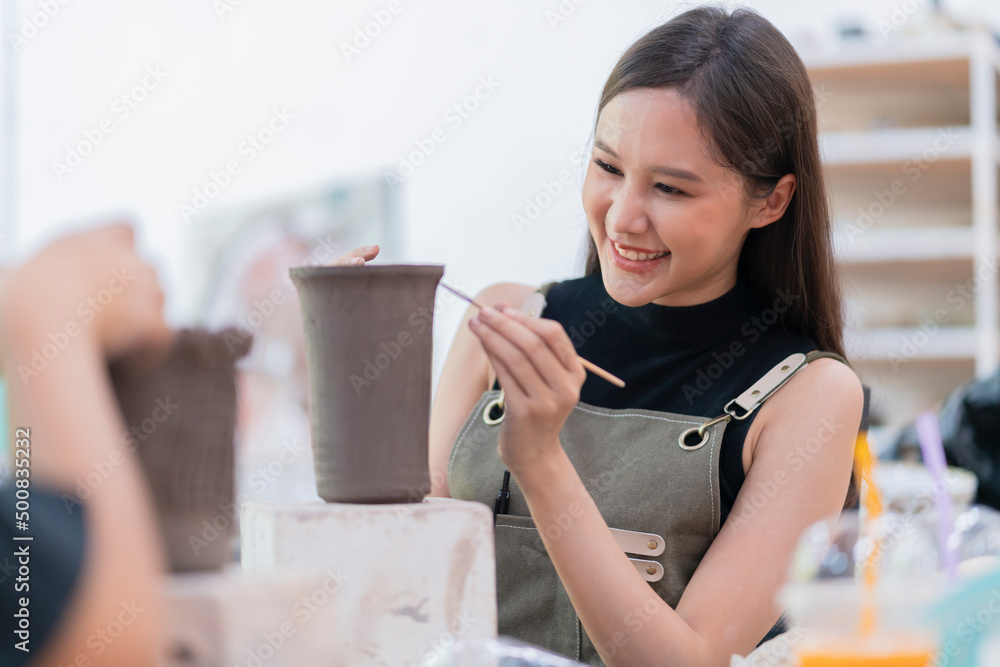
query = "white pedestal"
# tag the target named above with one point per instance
(230, 618)
(414, 576)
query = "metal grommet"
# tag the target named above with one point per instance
(784, 369)
(755, 393)
(494, 411)
(650, 569)
(702, 432)
(651, 544)
(682, 440)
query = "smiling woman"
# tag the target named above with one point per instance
(710, 240)
(648, 220)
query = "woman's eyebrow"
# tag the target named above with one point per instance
(666, 171)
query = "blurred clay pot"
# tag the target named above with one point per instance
(180, 411)
(368, 334)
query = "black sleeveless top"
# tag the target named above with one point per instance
(689, 360)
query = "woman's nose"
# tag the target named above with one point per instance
(627, 213)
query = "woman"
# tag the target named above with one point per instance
(655, 523)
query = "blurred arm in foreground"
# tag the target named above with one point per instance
(80, 301)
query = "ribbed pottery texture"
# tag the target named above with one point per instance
(368, 333)
(180, 411)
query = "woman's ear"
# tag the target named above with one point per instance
(775, 204)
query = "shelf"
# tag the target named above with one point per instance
(898, 346)
(865, 195)
(901, 95)
(879, 245)
(935, 60)
(910, 147)
(908, 293)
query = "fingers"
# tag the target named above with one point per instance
(508, 380)
(554, 336)
(524, 351)
(357, 257)
(505, 353)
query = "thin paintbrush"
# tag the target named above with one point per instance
(590, 366)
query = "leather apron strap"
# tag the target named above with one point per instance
(746, 403)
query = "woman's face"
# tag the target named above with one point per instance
(651, 188)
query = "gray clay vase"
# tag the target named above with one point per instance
(368, 334)
(179, 408)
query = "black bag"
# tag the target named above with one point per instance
(970, 429)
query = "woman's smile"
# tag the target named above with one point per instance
(628, 258)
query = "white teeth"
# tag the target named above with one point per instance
(637, 256)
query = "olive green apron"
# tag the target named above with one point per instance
(654, 477)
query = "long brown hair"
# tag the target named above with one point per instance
(754, 104)
(755, 108)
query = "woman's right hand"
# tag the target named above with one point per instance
(357, 257)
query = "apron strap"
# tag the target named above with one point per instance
(746, 403)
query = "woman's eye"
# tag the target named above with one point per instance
(663, 187)
(666, 189)
(606, 167)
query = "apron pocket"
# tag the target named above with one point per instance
(532, 604)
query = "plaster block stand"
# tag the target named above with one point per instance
(415, 577)
(229, 618)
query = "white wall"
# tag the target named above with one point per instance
(225, 74)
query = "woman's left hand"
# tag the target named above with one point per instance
(541, 376)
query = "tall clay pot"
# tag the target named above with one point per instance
(368, 333)
(180, 411)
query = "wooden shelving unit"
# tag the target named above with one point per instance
(909, 137)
